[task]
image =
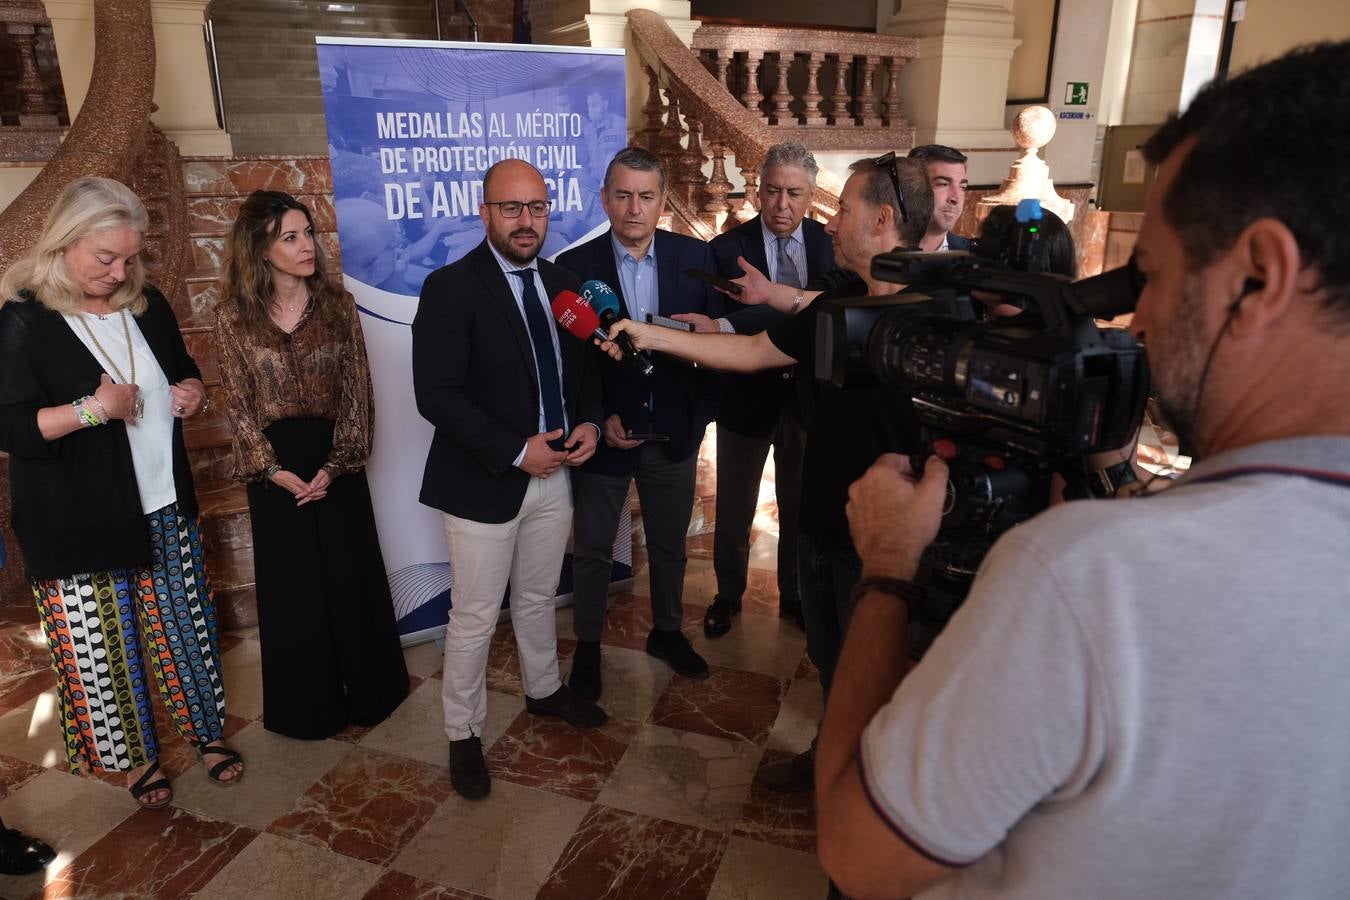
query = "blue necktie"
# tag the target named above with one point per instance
(541, 336)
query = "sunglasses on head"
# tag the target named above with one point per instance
(888, 161)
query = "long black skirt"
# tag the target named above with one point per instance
(330, 647)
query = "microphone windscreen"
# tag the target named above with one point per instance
(573, 314)
(600, 296)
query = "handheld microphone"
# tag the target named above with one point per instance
(581, 321)
(603, 300)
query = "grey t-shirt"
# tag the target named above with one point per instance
(1142, 698)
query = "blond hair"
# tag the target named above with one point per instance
(87, 205)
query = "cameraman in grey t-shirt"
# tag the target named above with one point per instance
(1144, 698)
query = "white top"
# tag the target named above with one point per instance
(151, 436)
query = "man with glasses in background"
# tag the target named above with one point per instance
(886, 202)
(515, 402)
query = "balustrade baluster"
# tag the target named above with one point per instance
(688, 173)
(839, 114)
(751, 97)
(867, 101)
(814, 102)
(782, 97)
(717, 207)
(670, 143)
(38, 107)
(892, 109)
(749, 207)
(722, 60)
(650, 136)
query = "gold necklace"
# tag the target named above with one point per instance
(131, 355)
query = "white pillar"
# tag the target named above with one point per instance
(187, 110)
(956, 90)
(182, 71)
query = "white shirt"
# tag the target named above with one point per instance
(151, 436)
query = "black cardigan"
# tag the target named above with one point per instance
(75, 501)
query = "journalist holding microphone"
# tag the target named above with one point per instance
(515, 401)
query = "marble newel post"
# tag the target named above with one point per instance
(183, 95)
(956, 91)
(1029, 177)
(602, 23)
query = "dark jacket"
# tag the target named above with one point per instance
(956, 242)
(677, 399)
(474, 379)
(751, 403)
(75, 501)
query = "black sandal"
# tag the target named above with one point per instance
(145, 786)
(214, 772)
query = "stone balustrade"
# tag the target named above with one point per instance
(32, 109)
(840, 88)
(695, 125)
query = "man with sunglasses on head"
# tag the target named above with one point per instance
(886, 203)
(514, 399)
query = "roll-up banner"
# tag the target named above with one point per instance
(412, 127)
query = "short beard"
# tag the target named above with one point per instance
(1181, 396)
(506, 250)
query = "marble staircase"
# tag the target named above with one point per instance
(269, 76)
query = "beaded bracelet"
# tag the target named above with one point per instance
(87, 417)
(101, 412)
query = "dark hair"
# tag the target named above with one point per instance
(915, 190)
(931, 153)
(637, 159)
(1056, 240)
(247, 277)
(1250, 133)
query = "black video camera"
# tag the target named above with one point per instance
(1006, 402)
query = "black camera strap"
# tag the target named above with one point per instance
(1335, 479)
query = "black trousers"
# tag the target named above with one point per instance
(330, 648)
(666, 492)
(740, 465)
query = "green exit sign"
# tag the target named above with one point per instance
(1076, 93)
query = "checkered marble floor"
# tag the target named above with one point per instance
(660, 803)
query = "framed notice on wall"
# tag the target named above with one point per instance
(1035, 23)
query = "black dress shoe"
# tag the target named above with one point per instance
(585, 678)
(789, 776)
(717, 620)
(568, 706)
(21, 854)
(674, 648)
(468, 771)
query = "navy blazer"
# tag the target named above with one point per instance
(677, 399)
(956, 242)
(751, 403)
(474, 379)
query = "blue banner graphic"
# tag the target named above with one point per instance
(412, 128)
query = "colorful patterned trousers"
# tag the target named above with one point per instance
(102, 628)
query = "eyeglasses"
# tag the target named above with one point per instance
(511, 209)
(888, 160)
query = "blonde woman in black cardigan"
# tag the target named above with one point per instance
(94, 384)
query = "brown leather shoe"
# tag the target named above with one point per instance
(789, 776)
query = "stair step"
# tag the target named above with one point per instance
(274, 87)
(282, 68)
(279, 123)
(291, 106)
(272, 52)
(301, 23)
(279, 143)
(321, 7)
